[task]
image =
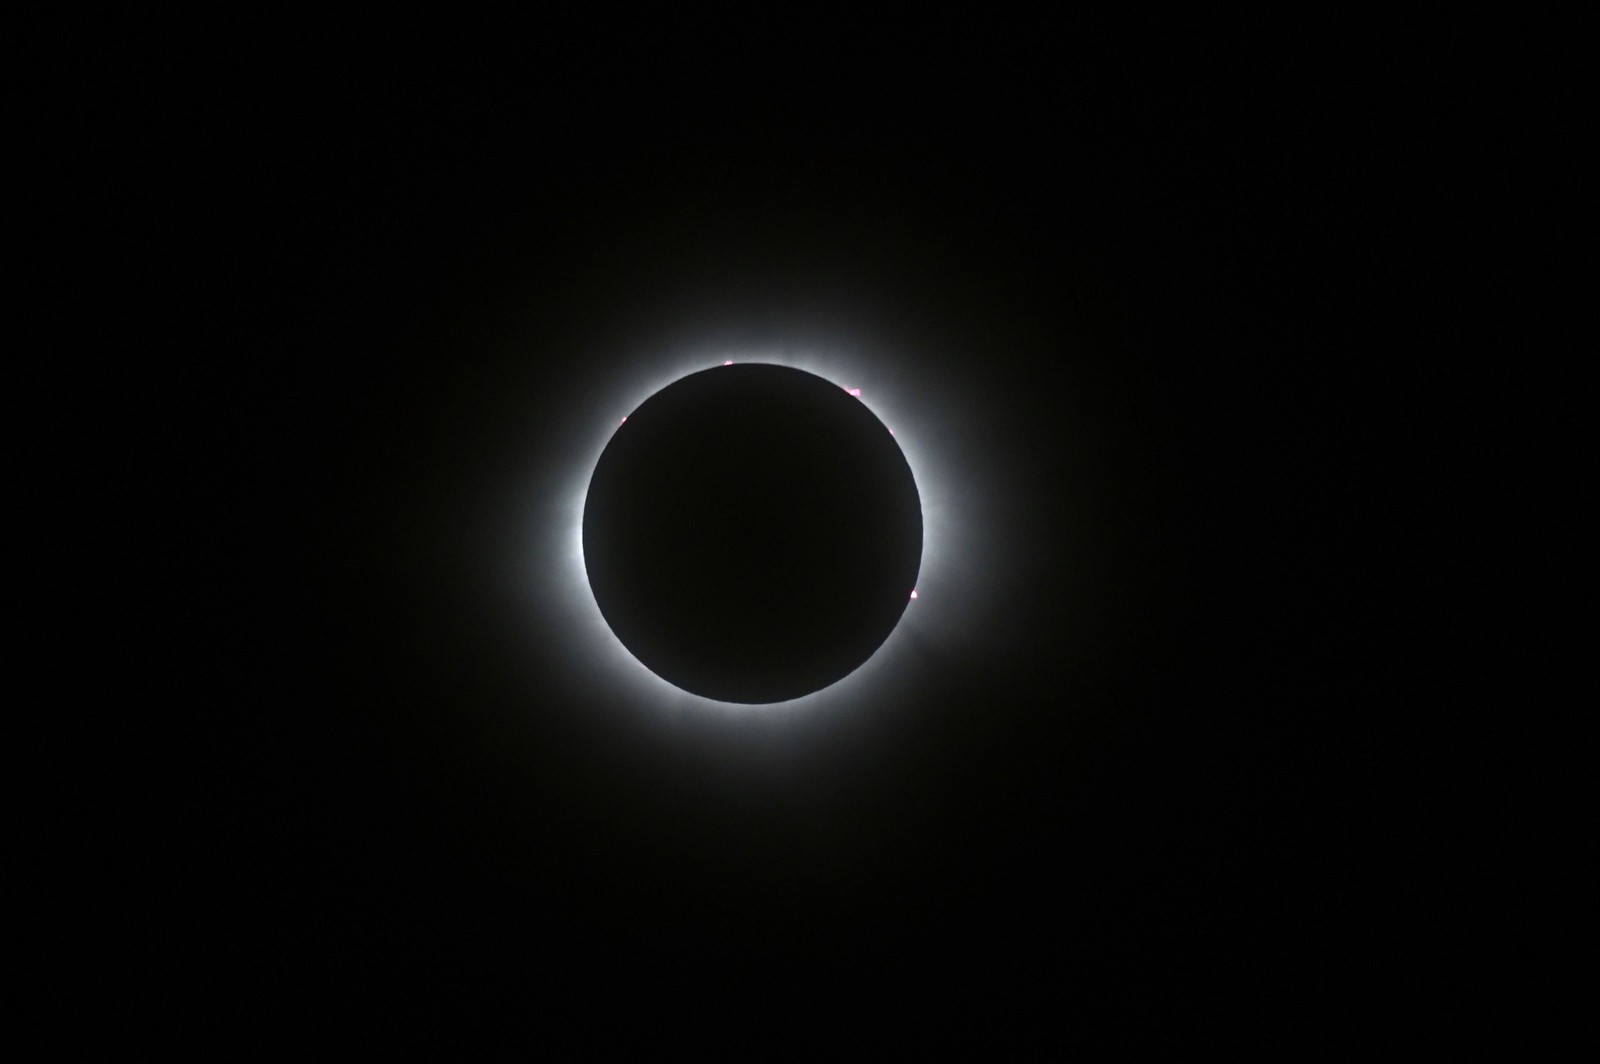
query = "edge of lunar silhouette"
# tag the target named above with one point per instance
(752, 533)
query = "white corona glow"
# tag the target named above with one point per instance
(565, 603)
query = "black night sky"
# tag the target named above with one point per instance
(1172, 303)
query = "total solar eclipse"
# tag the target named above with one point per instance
(752, 533)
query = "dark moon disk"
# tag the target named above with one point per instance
(752, 533)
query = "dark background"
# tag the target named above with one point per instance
(1197, 298)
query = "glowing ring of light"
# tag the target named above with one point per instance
(943, 588)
